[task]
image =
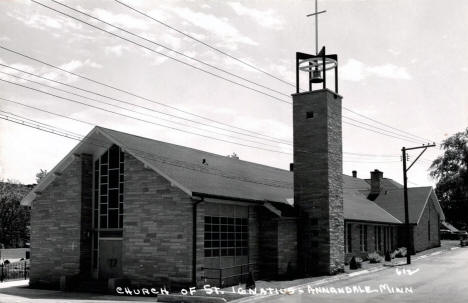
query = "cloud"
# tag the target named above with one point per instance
(116, 50)
(44, 22)
(76, 64)
(121, 20)
(355, 70)
(218, 26)
(266, 18)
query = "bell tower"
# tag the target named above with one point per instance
(318, 165)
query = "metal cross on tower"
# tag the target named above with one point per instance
(316, 13)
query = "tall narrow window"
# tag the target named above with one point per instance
(385, 238)
(363, 237)
(429, 230)
(375, 238)
(379, 238)
(391, 238)
(111, 179)
(349, 237)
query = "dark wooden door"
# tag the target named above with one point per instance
(110, 259)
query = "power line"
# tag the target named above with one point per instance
(152, 156)
(48, 126)
(133, 111)
(402, 136)
(170, 49)
(119, 100)
(126, 92)
(142, 120)
(206, 44)
(375, 131)
(179, 163)
(92, 124)
(115, 98)
(162, 54)
(254, 67)
(381, 123)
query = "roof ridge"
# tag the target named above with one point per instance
(195, 149)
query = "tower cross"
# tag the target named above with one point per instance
(316, 13)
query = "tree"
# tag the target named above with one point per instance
(451, 172)
(14, 218)
(41, 174)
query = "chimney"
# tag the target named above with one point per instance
(354, 173)
(376, 183)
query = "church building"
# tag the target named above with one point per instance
(124, 207)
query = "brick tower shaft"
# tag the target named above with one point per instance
(318, 181)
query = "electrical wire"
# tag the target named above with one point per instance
(170, 49)
(137, 112)
(162, 54)
(206, 44)
(254, 67)
(142, 120)
(126, 92)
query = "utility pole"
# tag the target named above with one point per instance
(409, 237)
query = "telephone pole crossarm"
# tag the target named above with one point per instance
(409, 248)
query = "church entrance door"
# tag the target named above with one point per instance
(110, 258)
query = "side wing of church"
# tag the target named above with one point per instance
(122, 206)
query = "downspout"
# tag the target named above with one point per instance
(194, 239)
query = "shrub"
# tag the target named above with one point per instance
(400, 252)
(355, 263)
(374, 257)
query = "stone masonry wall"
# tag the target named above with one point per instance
(55, 229)
(86, 213)
(318, 182)
(287, 246)
(269, 245)
(157, 236)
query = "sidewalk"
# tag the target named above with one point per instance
(18, 291)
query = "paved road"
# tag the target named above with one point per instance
(440, 278)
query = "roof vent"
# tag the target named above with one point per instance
(204, 162)
(354, 173)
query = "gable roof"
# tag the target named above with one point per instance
(200, 173)
(392, 200)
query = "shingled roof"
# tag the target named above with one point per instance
(392, 200)
(200, 173)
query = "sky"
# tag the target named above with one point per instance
(402, 63)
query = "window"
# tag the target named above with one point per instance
(226, 236)
(363, 237)
(108, 191)
(349, 237)
(429, 230)
(379, 238)
(385, 231)
(391, 238)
